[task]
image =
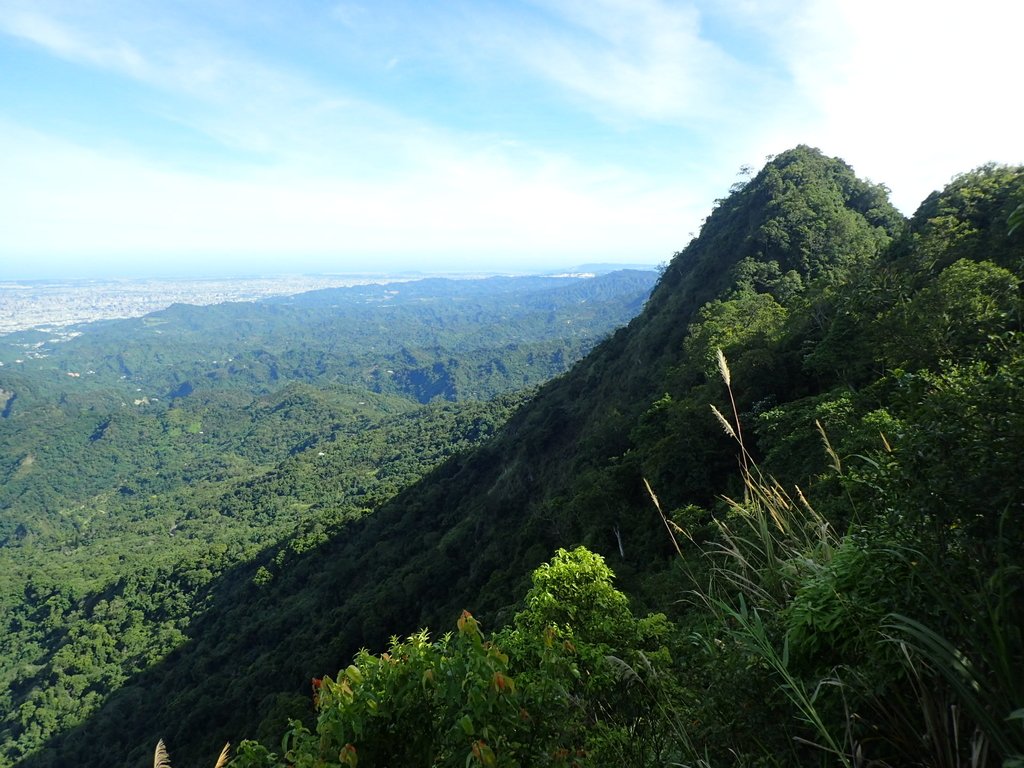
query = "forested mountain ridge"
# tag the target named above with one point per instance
(899, 341)
(190, 439)
(349, 335)
(184, 383)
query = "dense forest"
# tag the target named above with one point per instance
(193, 439)
(773, 520)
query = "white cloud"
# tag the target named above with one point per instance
(627, 60)
(470, 209)
(199, 80)
(343, 176)
(62, 41)
(910, 93)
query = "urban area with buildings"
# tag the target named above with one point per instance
(54, 305)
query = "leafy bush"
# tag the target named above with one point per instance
(557, 689)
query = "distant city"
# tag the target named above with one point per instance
(54, 304)
(51, 305)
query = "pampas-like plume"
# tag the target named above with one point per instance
(724, 422)
(163, 760)
(737, 433)
(723, 367)
(668, 523)
(223, 759)
(160, 758)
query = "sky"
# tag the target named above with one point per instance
(258, 137)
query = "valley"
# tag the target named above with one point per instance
(196, 437)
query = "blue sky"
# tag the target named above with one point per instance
(147, 137)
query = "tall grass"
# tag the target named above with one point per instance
(953, 706)
(767, 544)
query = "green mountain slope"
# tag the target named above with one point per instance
(197, 402)
(177, 453)
(900, 339)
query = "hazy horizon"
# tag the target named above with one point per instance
(217, 273)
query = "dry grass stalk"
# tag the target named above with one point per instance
(723, 367)
(664, 519)
(837, 465)
(723, 370)
(223, 759)
(161, 759)
(724, 422)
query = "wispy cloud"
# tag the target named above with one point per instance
(339, 175)
(626, 60)
(207, 83)
(61, 40)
